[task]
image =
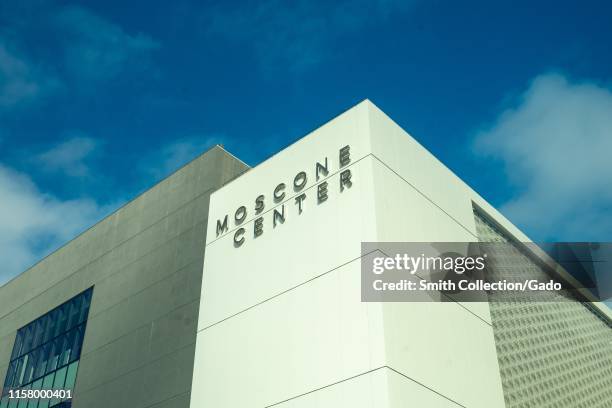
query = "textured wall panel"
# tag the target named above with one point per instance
(556, 353)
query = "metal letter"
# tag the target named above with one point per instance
(279, 215)
(259, 204)
(322, 169)
(322, 192)
(240, 214)
(298, 201)
(221, 227)
(345, 179)
(279, 197)
(297, 186)
(345, 156)
(238, 237)
(258, 227)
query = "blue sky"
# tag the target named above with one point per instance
(99, 100)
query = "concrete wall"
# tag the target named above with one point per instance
(449, 347)
(281, 318)
(145, 263)
(566, 344)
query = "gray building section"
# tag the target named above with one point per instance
(553, 353)
(145, 263)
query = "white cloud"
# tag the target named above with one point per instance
(95, 48)
(174, 155)
(556, 145)
(33, 223)
(19, 81)
(69, 156)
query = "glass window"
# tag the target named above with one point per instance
(58, 383)
(71, 375)
(38, 332)
(53, 355)
(43, 403)
(17, 380)
(46, 353)
(30, 365)
(23, 403)
(85, 306)
(17, 346)
(65, 349)
(41, 364)
(36, 385)
(75, 311)
(50, 327)
(28, 337)
(33, 403)
(48, 381)
(10, 373)
(62, 321)
(60, 378)
(47, 385)
(77, 342)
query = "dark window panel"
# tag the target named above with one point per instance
(64, 349)
(62, 320)
(28, 337)
(58, 383)
(10, 374)
(39, 330)
(23, 403)
(47, 385)
(54, 355)
(30, 366)
(77, 344)
(37, 385)
(18, 344)
(21, 363)
(41, 366)
(50, 329)
(69, 345)
(75, 311)
(49, 345)
(85, 306)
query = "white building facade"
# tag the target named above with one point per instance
(281, 321)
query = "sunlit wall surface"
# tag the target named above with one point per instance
(46, 354)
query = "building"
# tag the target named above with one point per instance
(222, 287)
(143, 266)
